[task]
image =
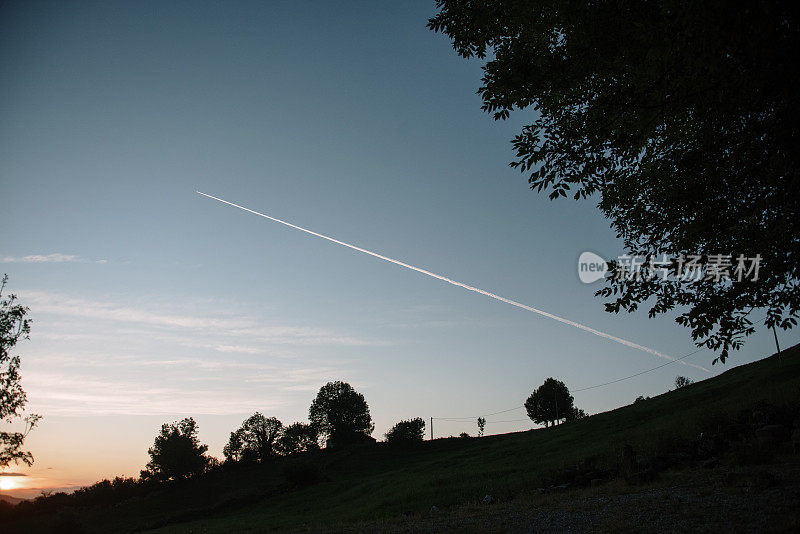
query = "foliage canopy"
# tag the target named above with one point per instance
(679, 118)
(298, 437)
(682, 381)
(340, 413)
(176, 453)
(13, 328)
(550, 403)
(255, 440)
(410, 431)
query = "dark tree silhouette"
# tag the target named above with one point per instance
(575, 413)
(410, 431)
(255, 440)
(550, 403)
(680, 119)
(682, 381)
(298, 437)
(341, 414)
(13, 327)
(234, 451)
(481, 426)
(176, 453)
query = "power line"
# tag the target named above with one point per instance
(461, 419)
(510, 421)
(471, 418)
(457, 419)
(638, 374)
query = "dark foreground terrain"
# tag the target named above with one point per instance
(717, 455)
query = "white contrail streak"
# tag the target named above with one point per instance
(465, 286)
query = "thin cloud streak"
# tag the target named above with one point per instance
(543, 313)
(48, 258)
(95, 395)
(109, 356)
(234, 334)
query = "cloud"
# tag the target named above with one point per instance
(84, 394)
(160, 355)
(56, 257)
(239, 348)
(87, 395)
(302, 387)
(13, 475)
(232, 333)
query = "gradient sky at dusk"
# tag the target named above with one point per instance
(151, 303)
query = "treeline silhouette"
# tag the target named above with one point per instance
(339, 417)
(725, 427)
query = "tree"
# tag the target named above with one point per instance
(13, 328)
(176, 453)
(255, 440)
(340, 413)
(298, 437)
(680, 120)
(575, 413)
(550, 403)
(410, 431)
(682, 381)
(481, 426)
(234, 450)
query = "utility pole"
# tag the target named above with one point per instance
(774, 333)
(431, 428)
(555, 399)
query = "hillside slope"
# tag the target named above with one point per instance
(373, 483)
(9, 499)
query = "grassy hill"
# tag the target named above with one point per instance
(376, 482)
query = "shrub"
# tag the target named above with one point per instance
(301, 474)
(411, 431)
(682, 382)
(298, 437)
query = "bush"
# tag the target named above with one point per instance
(109, 491)
(411, 431)
(301, 474)
(297, 438)
(682, 382)
(66, 521)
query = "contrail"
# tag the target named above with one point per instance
(625, 342)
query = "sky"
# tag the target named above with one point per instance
(151, 303)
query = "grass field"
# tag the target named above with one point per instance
(376, 483)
